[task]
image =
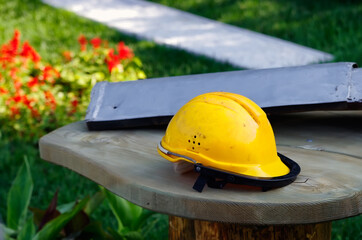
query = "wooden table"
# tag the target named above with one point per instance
(327, 145)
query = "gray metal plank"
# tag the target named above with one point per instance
(314, 87)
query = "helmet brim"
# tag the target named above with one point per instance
(209, 175)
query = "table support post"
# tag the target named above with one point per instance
(182, 228)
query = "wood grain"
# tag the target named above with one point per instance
(336, 132)
(127, 163)
(182, 228)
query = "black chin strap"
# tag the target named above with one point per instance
(218, 179)
(200, 183)
(202, 180)
(207, 176)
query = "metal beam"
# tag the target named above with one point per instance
(332, 86)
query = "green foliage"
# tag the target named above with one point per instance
(19, 197)
(125, 212)
(96, 200)
(72, 220)
(81, 70)
(133, 221)
(35, 97)
(28, 96)
(49, 222)
(52, 228)
(347, 229)
(28, 231)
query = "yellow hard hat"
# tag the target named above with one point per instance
(226, 133)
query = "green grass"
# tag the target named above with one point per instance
(329, 26)
(332, 26)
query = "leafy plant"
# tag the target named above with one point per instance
(20, 224)
(72, 220)
(19, 198)
(133, 221)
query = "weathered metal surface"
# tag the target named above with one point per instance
(154, 101)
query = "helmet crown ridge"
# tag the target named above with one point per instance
(225, 131)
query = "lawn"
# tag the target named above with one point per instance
(331, 27)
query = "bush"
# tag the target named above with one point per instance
(36, 97)
(73, 220)
(80, 71)
(29, 96)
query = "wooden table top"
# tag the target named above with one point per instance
(327, 146)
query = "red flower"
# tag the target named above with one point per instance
(27, 102)
(17, 98)
(35, 57)
(13, 72)
(47, 72)
(9, 51)
(112, 60)
(14, 43)
(5, 57)
(3, 90)
(34, 81)
(74, 106)
(96, 42)
(49, 96)
(75, 103)
(67, 55)
(14, 110)
(4, 53)
(34, 112)
(124, 51)
(25, 52)
(29, 52)
(17, 84)
(83, 42)
(50, 99)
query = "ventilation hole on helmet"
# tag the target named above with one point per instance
(189, 140)
(195, 136)
(193, 142)
(198, 144)
(115, 107)
(193, 148)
